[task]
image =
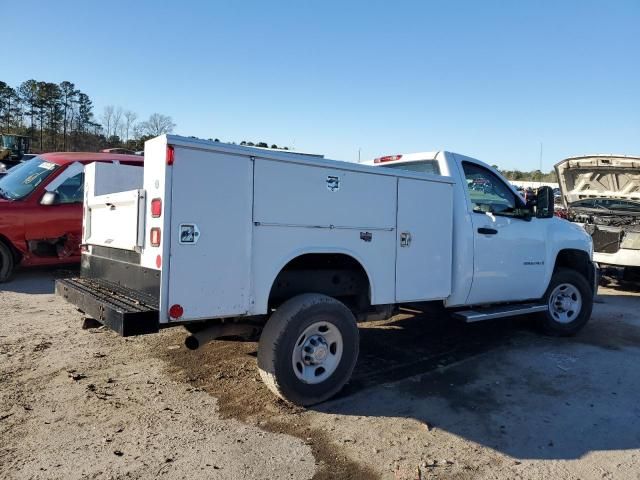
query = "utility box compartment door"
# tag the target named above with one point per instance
(211, 204)
(424, 240)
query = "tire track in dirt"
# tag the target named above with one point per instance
(391, 350)
(228, 371)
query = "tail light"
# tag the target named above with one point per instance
(156, 207)
(389, 158)
(170, 154)
(155, 237)
(176, 311)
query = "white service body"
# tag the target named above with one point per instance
(233, 217)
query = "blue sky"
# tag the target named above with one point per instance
(490, 79)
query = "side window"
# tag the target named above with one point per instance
(487, 192)
(71, 190)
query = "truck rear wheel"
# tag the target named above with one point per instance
(6, 262)
(308, 349)
(570, 301)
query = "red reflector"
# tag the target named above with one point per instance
(158, 261)
(155, 237)
(176, 311)
(389, 158)
(170, 155)
(156, 207)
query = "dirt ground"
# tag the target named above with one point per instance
(430, 398)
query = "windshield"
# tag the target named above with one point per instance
(607, 204)
(23, 179)
(9, 141)
(423, 166)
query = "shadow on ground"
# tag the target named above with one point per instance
(499, 384)
(37, 281)
(528, 396)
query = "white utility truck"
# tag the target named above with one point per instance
(293, 250)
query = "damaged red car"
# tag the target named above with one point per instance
(41, 209)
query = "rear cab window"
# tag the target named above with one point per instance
(422, 166)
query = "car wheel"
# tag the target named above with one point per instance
(6, 262)
(570, 301)
(308, 349)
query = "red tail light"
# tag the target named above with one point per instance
(155, 237)
(170, 154)
(156, 207)
(176, 311)
(389, 158)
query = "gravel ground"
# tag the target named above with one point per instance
(430, 399)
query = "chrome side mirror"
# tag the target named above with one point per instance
(50, 198)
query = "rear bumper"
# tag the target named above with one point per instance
(116, 291)
(126, 311)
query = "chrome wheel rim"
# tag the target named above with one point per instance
(317, 352)
(565, 303)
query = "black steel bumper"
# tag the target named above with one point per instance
(126, 311)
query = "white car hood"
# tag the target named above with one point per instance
(599, 176)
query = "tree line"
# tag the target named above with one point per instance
(60, 117)
(532, 176)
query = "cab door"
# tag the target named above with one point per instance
(509, 249)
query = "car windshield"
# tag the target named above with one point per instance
(23, 179)
(608, 204)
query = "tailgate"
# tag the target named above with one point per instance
(113, 214)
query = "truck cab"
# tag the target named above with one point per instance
(293, 250)
(513, 251)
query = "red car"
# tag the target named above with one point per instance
(41, 209)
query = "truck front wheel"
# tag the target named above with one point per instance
(308, 349)
(570, 301)
(6, 262)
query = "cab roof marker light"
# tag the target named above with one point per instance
(388, 158)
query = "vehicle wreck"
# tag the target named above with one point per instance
(602, 193)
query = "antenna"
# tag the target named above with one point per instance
(540, 157)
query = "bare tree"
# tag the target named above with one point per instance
(129, 121)
(117, 122)
(107, 119)
(157, 124)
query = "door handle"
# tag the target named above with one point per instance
(405, 239)
(487, 231)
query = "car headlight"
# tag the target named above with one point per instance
(631, 241)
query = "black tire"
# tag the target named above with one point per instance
(6, 262)
(548, 320)
(278, 341)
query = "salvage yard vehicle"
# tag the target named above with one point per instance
(602, 194)
(293, 250)
(41, 209)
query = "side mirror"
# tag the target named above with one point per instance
(50, 198)
(544, 202)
